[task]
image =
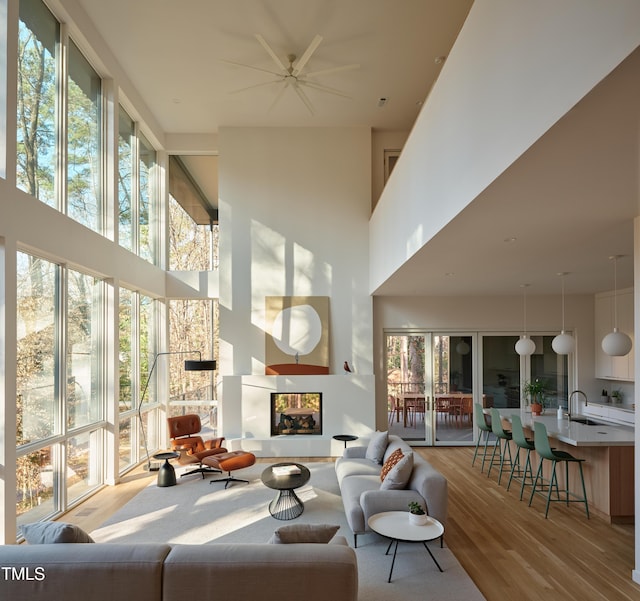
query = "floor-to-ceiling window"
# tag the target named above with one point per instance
(137, 349)
(63, 322)
(126, 179)
(59, 382)
(38, 407)
(84, 142)
(59, 160)
(147, 241)
(37, 123)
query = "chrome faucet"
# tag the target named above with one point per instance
(569, 412)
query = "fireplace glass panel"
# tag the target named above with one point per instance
(296, 413)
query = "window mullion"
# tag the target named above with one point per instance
(135, 190)
(62, 104)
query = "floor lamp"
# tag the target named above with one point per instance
(189, 365)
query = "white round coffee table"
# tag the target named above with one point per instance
(396, 526)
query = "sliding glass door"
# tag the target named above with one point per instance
(435, 380)
(430, 387)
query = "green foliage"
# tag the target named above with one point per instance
(535, 391)
(416, 508)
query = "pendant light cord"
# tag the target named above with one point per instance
(615, 293)
(563, 303)
(524, 302)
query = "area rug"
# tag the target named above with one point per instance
(197, 512)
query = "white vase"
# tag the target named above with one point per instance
(418, 520)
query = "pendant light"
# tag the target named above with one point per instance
(525, 346)
(463, 348)
(563, 344)
(616, 344)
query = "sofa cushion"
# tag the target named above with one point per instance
(73, 572)
(248, 571)
(389, 463)
(377, 446)
(356, 467)
(40, 533)
(351, 490)
(304, 533)
(399, 475)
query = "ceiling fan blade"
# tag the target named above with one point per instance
(251, 67)
(270, 52)
(322, 88)
(255, 85)
(304, 59)
(279, 95)
(305, 99)
(333, 70)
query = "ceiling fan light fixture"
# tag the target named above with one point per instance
(293, 76)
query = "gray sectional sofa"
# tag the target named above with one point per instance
(163, 572)
(363, 496)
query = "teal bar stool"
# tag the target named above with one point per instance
(502, 444)
(544, 450)
(524, 474)
(483, 428)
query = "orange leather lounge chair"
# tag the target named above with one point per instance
(184, 433)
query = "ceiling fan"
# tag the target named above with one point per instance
(292, 76)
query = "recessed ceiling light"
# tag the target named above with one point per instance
(449, 274)
(438, 60)
(510, 239)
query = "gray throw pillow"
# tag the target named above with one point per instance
(377, 446)
(399, 475)
(304, 533)
(41, 533)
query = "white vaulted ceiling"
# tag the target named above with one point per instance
(575, 187)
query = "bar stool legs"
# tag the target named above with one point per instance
(502, 444)
(524, 474)
(484, 428)
(544, 450)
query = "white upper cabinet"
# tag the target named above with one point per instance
(614, 368)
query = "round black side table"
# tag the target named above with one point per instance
(166, 473)
(286, 505)
(345, 438)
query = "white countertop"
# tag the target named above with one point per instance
(575, 434)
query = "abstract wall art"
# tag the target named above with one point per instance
(296, 335)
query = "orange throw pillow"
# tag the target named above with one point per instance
(389, 463)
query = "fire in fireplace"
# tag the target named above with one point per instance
(296, 413)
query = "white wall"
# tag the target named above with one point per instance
(490, 103)
(347, 408)
(294, 209)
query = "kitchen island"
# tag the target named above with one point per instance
(607, 450)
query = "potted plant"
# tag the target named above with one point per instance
(417, 515)
(535, 392)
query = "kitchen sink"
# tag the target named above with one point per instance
(584, 420)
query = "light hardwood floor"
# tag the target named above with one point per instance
(509, 549)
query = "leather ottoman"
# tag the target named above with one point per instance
(229, 462)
